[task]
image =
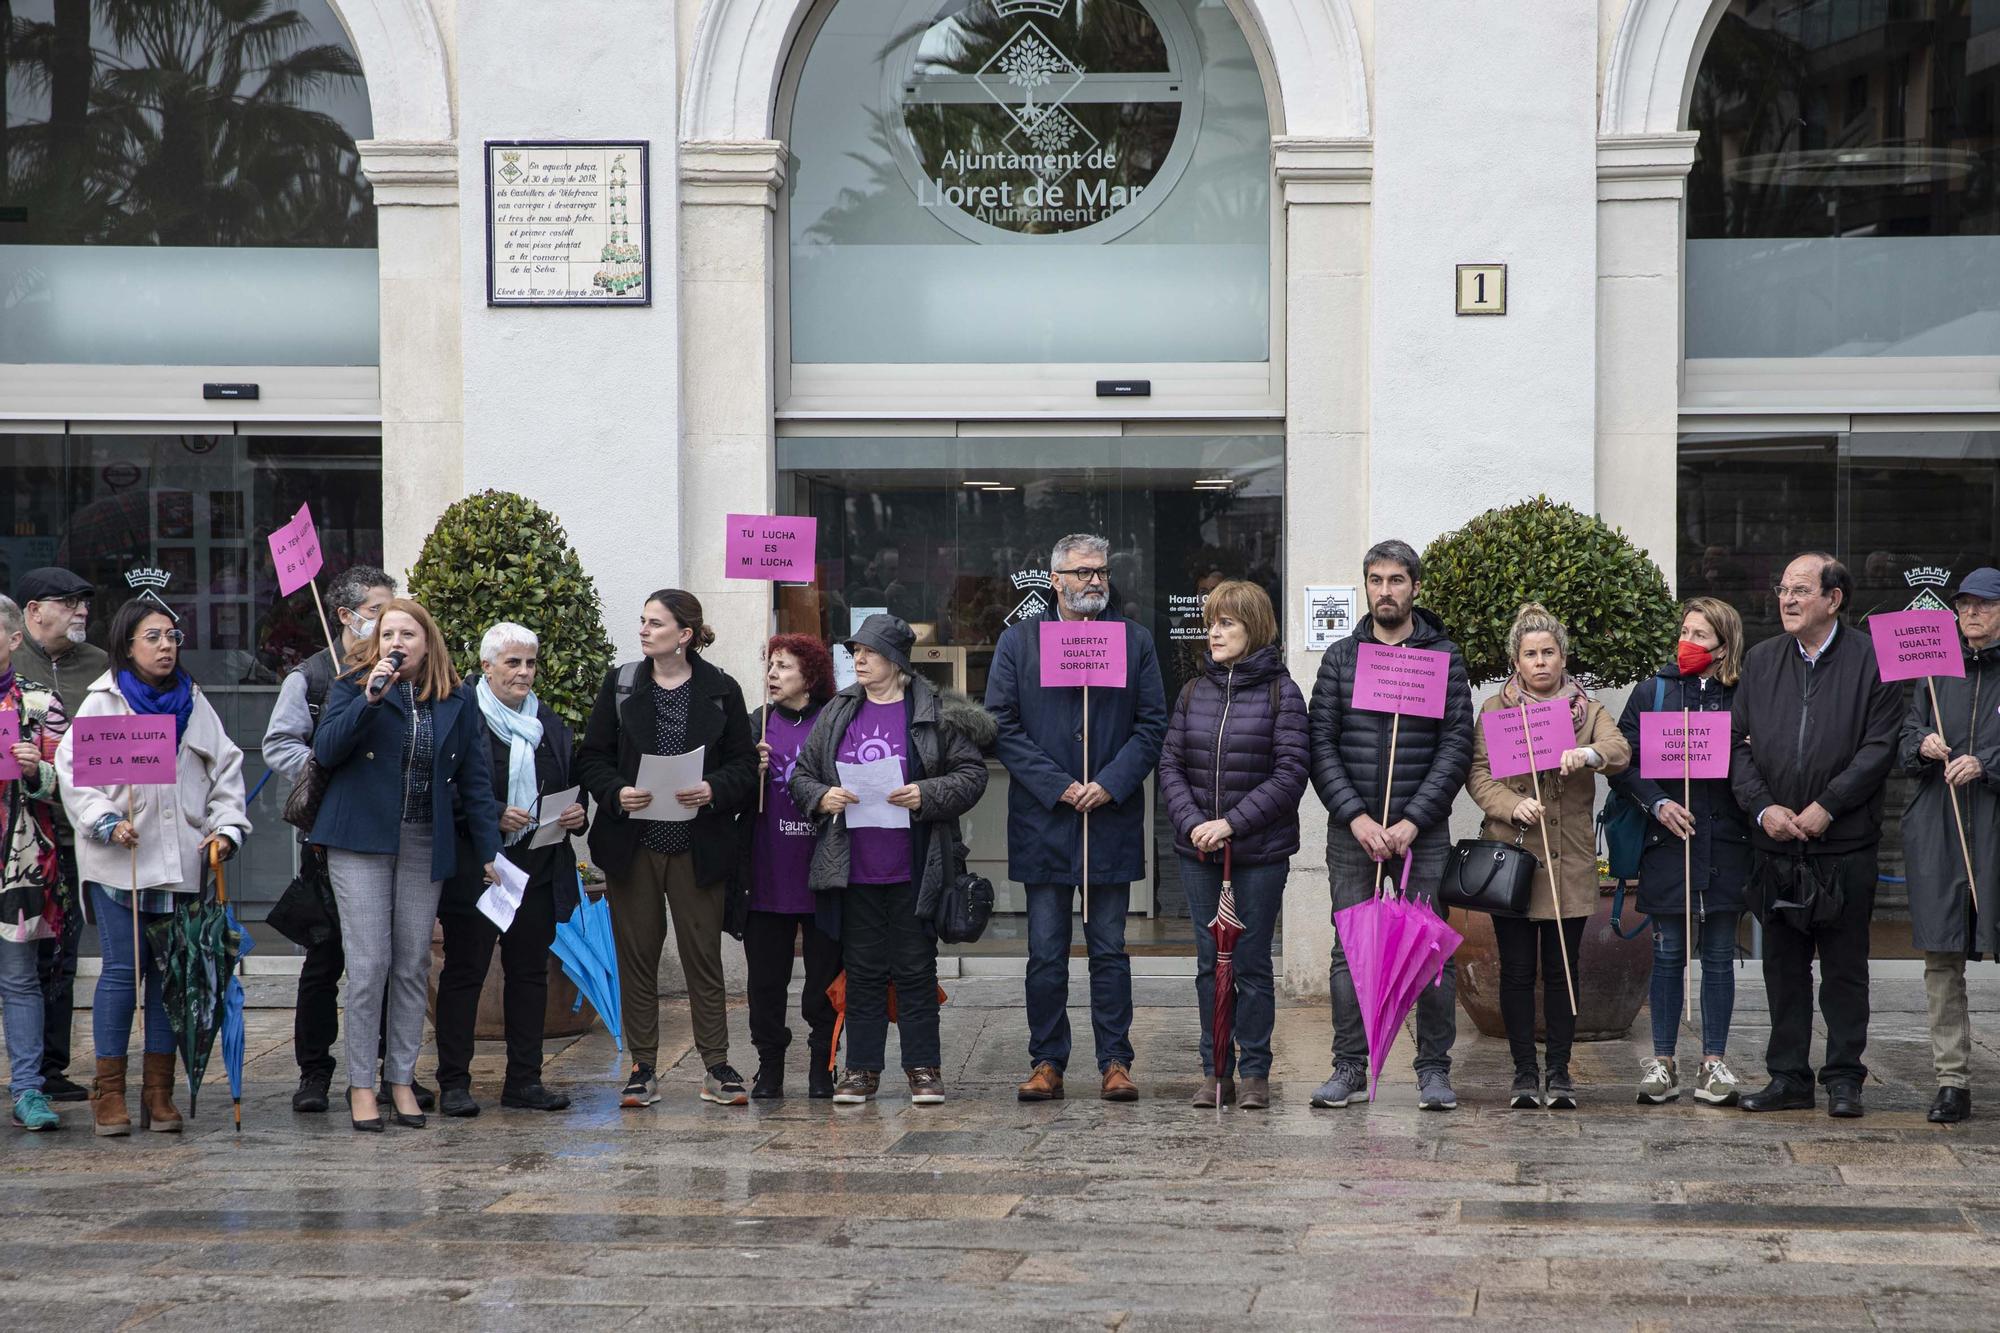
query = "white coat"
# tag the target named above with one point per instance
(173, 821)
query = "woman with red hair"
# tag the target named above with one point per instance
(798, 679)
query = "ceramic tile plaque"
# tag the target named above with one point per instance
(566, 223)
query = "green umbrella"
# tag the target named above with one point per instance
(197, 948)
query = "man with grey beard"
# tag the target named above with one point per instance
(1041, 742)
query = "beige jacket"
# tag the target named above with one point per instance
(173, 822)
(1569, 806)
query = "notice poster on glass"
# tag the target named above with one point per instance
(566, 223)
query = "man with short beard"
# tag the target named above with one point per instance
(1366, 838)
(55, 605)
(1040, 741)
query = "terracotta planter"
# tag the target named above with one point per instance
(1610, 991)
(491, 1025)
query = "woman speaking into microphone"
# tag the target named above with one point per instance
(401, 739)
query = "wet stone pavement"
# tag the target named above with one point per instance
(984, 1213)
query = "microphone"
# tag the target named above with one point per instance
(379, 686)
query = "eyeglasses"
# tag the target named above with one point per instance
(1096, 574)
(155, 636)
(1800, 591)
(76, 603)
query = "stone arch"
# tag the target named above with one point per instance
(1650, 79)
(402, 57)
(740, 49)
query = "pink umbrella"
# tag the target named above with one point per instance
(1394, 949)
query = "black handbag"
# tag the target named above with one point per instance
(305, 912)
(964, 908)
(1800, 891)
(1482, 875)
(302, 806)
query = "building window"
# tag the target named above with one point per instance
(180, 182)
(1015, 181)
(1843, 200)
(185, 519)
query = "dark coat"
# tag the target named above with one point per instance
(550, 868)
(619, 732)
(1236, 749)
(1825, 734)
(1350, 746)
(1933, 861)
(944, 762)
(360, 744)
(1040, 741)
(1720, 849)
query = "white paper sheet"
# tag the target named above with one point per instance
(872, 782)
(552, 805)
(502, 900)
(663, 775)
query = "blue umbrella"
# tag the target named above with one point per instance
(232, 1026)
(584, 946)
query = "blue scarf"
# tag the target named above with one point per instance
(177, 698)
(522, 730)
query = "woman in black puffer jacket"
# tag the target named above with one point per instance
(1232, 774)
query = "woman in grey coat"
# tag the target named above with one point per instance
(1955, 750)
(889, 878)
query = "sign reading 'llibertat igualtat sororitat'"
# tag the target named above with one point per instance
(566, 223)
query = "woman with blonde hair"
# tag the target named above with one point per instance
(1565, 893)
(402, 740)
(1700, 837)
(1232, 773)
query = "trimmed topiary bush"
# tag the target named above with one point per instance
(499, 556)
(1611, 596)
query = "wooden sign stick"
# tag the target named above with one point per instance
(1687, 867)
(1388, 790)
(1957, 813)
(1555, 889)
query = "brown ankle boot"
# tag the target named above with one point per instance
(107, 1100)
(156, 1095)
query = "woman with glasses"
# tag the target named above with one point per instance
(142, 850)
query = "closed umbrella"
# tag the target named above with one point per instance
(1394, 948)
(1227, 929)
(197, 947)
(589, 957)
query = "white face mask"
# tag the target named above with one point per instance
(361, 629)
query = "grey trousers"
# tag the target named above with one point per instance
(1352, 877)
(1951, 1023)
(387, 907)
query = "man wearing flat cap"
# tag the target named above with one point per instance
(1954, 753)
(1041, 742)
(55, 604)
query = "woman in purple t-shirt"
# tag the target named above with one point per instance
(798, 680)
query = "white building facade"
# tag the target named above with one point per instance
(908, 265)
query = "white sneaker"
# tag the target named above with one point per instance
(1716, 1086)
(1659, 1081)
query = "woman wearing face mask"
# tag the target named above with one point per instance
(798, 680)
(150, 861)
(404, 747)
(1232, 773)
(528, 752)
(1565, 893)
(1717, 858)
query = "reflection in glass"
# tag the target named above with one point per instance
(187, 517)
(156, 131)
(1842, 201)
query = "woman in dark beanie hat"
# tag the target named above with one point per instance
(889, 879)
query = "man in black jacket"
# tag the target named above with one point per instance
(1815, 734)
(1350, 762)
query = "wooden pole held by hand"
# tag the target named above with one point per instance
(1555, 886)
(324, 628)
(1388, 790)
(1957, 812)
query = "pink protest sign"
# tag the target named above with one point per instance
(1667, 751)
(1911, 644)
(10, 736)
(295, 551)
(114, 751)
(1083, 652)
(778, 548)
(1401, 680)
(1507, 741)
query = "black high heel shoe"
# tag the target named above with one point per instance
(364, 1126)
(417, 1121)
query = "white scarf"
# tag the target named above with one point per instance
(522, 730)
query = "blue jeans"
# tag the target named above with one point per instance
(1259, 890)
(21, 1006)
(1048, 974)
(1718, 980)
(111, 1012)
